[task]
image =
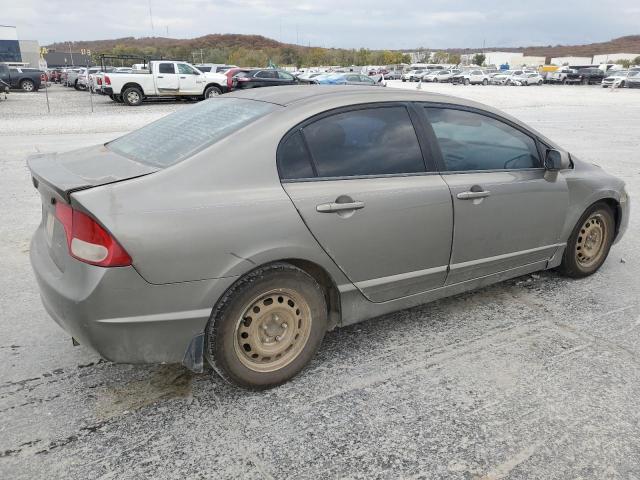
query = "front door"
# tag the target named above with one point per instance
(167, 80)
(509, 212)
(359, 181)
(190, 80)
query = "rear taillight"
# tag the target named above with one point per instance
(99, 81)
(88, 241)
(107, 80)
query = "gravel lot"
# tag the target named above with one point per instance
(532, 378)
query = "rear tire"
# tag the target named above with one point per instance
(467, 81)
(266, 328)
(132, 96)
(485, 82)
(589, 243)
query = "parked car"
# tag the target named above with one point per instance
(504, 77)
(263, 77)
(471, 77)
(214, 67)
(163, 79)
(28, 80)
(71, 78)
(393, 75)
(437, 76)
(299, 213)
(349, 79)
(526, 78)
(412, 75)
(633, 79)
(617, 79)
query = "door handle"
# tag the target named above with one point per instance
(339, 207)
(159, 76)
(183, 77)
(473, 195)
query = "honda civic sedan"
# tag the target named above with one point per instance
(239, 230)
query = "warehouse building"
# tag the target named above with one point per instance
(572, 61)
(614, 57)
(19, 52)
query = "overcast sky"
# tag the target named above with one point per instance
(392, 24)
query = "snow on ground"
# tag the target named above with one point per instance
(532, 378)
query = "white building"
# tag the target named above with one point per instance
(614, 57)
(500, 58)
(571, 61)
(528, 61)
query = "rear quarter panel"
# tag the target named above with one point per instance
(218, 214)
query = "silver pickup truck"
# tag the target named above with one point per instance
(163, 79)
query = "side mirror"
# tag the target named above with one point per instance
(556, 160)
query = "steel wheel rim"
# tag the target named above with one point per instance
(27, 87)
(272, 330)
(133, 97)
(213, 93)
(591, 242)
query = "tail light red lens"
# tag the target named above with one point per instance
(88, 241)
(99, 81)
(107, 80)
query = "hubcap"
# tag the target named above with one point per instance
(273, 330)
(28, 86)
(133, 97)
(213, 93)
(591, 241)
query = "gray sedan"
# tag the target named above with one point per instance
(240, 229)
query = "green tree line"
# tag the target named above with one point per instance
(243, 56)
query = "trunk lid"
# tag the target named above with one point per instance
(64, 173)
(57, 176)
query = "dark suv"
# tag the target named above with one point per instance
(266, 77)
(590, 76)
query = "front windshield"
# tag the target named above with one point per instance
(183, 133)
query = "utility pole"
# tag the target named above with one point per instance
(151, 18)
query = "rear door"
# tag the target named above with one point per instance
(509, 211)
(358, 178)
(167, 81)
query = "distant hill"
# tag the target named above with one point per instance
(256, 50)
(628, 44)
(227, 40)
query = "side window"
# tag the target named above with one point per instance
(285, 76)
(266, 74)
(185, 69)
(373, 141)
(167, 68)
(471, 141)
(293, 158)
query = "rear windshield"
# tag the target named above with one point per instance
(181, 134)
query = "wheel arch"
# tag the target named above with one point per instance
(130, 85)
(214, 84)
(616, 208)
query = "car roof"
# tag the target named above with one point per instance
(306, 94)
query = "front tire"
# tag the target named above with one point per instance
(589, 243)
(266, 327)
(485, 82)
(212, 91)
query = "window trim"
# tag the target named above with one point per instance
(427, 160)
(433, 140)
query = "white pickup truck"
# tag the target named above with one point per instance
(163, 79)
